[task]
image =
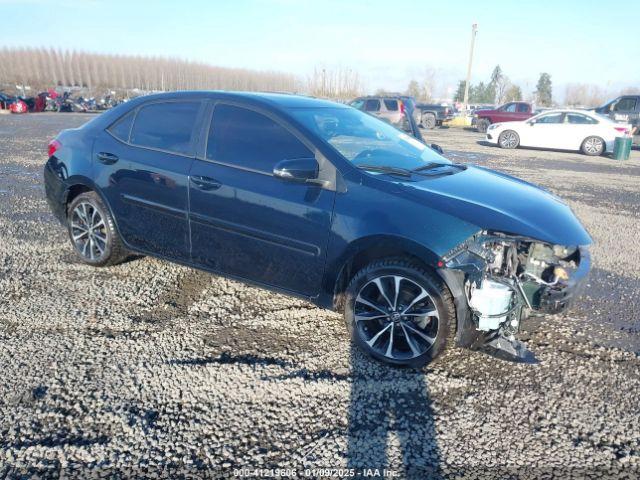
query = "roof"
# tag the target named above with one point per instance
(283, 101)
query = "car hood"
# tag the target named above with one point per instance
(500, 202)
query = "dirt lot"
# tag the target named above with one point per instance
(153, 369)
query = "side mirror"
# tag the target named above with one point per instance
(437, 148)
(297, 170)
(531, 123)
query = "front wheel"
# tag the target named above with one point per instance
(92, 231)
(508, 139)
(592, 146)
(399, 313)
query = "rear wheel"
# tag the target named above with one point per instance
(592, 146)
(508, 139)
(399, 313)
(92, 231)
(429, 121)
(483, 125)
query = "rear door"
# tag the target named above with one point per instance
(244, 221)
(579, 127)
(142, 164)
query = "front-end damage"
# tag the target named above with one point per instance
(498, 280)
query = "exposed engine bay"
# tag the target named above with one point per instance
(509, 278)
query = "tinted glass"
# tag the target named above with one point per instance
(121, 128)
(523, 108)
(551, 118)
(249, 139)
(510, 108)
(372, 105)
(167, 126)
(363, 139)
(579, 119)
(391, 105)
(626, 105)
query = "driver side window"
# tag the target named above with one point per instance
(551, 118)
(510, 108)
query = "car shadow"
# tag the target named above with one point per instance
(390, 413)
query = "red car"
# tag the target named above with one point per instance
(509, 112)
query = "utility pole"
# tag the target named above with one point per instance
(474, 30)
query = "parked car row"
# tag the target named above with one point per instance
(52, 101)
(396, 107)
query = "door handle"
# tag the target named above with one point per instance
(205, 183)
(107, 158)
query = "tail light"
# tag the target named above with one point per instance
(401, 103)
(622, 130)
(54, 146)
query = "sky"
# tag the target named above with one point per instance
(387, 42)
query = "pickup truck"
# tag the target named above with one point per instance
(432, 115)
(625, 109)
(509, 112)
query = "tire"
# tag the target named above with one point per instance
(483, 125)
(509, 139)
(417, 338)
(593, 146)
(93, 233)
(429, 121)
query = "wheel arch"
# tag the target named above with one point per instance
(78, 184)
(363, 251)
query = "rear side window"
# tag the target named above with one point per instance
(166, 126)
(122, 127)
(391, 105)
(248, 139)
(580, 119)
(372, 105)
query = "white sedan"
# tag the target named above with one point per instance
(581, 130)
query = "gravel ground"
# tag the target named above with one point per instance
(150, 369)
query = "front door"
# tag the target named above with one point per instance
(548, 131)
(244, 221)
(142, 164)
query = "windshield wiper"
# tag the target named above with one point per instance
(433, 165)
(386, 169)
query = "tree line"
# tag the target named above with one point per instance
(43, 68)
(498, 90)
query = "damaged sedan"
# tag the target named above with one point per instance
(321, 201)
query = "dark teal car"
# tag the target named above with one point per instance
(322, 201)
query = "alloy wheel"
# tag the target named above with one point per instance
(396, 317)
(509, 139)
(593, 145)
(88, 231)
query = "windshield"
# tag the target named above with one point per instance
(363, 139)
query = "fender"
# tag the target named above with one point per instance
(375, 246)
